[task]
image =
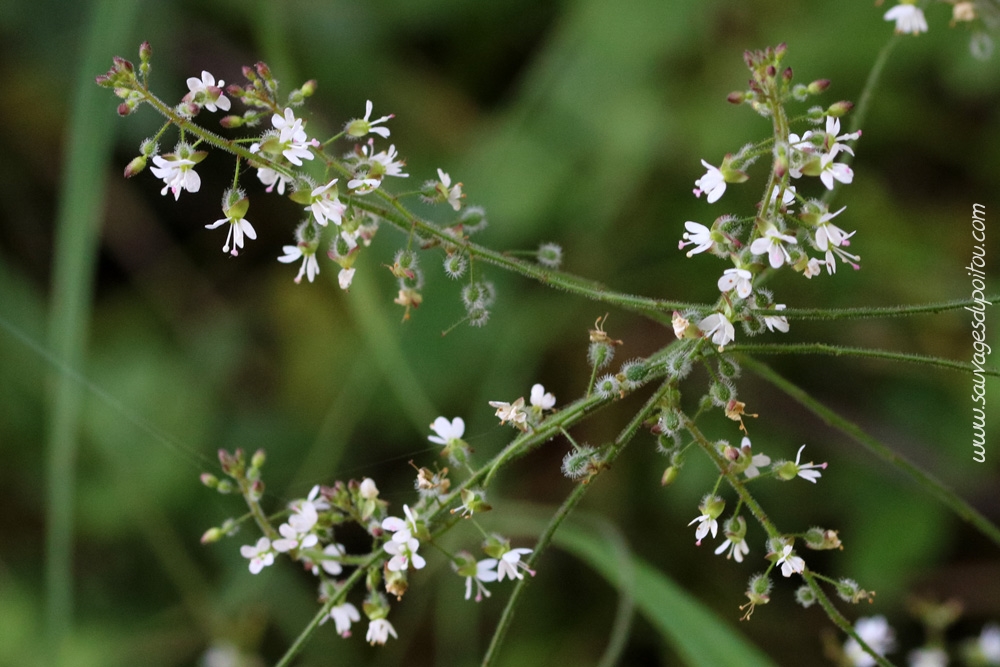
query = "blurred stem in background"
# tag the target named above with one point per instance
(77, 232)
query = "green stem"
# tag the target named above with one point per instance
(574, 498)
(927, 481)
(840, 351)
(838, 619)
(879, 311)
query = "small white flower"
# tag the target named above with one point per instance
(541, 398)
(451, 194)
(790, 564)
(877, 633)
(757, 461)
(834, 171)
(447, 431)
(706, 524)
(345, 277)
(697, 234)
(343, 615)
(813, 268)
(927, 657)
(309, 268)
(713, 183)
(808, 471)
(777, 322)
(403, 553)
(736, 529)
(485, 573)
(909, 20)
(238, 228)
(324, 207)
(361, 126)
(988, 643)
(331, 565)
(402, 529)
(510, 563)
(178, 173)
(718, 327)
(741, 279)
(379, 630)
(260, 555)
(212, 99)
(771, 244)
(292, 138)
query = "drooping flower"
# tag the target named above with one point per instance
(379, 630)
(777, 322)
(448, 192)
(345, 277)
(343, 615)
(790, 564)
(757, 461)
(909, 19)
(177, 170)
(711, 508)
(309, 268)
(807, 471)
(331, 564)
(736, 543)
(509, 564)
(260, 555)
(833, 171)
(718, 327)
(402, 529)
(238, 225)
(478, 573)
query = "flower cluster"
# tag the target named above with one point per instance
(777, 235)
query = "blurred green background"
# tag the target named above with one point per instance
(129, 357)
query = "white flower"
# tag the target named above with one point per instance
(178, 173)
(260, 555)
(485, 573)
(379, 630)
(757, 461)
(828, 233)
(833, 136)
(331, 565)
(359, 127)
(325, 207)
(832, 171)
(451, 194)
(345, 277)
(876, 632)
(713, 183)
(213, 99)
(697, 234)
(706, 523)
(909, 20)
(510, 563)
(741, 279)
(736, 530)
(542, 399)
(403, 553)
(718, 327)
(310, 267)
(447, 431)
(808, 471)
(778, 322)
(271, 178)
(292, 138)
(343, 615)
(787, 197)
(813, 268)
(388, 162)
(511, 412)
(238, 228)
(402, 529)
(790, 564)
(771, 244)
(293, 539)
(988, 643)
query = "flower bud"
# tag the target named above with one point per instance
(209, 480)
(786, 75)
(263, 70)
(736, 97)
(259, 457)
(308, 89)
(669, 475)
(838, 109)
(145, 52)
(135, 166)
(125, 108)
(212, 535)
(818, 86)
(225, 487)
(230, 122)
